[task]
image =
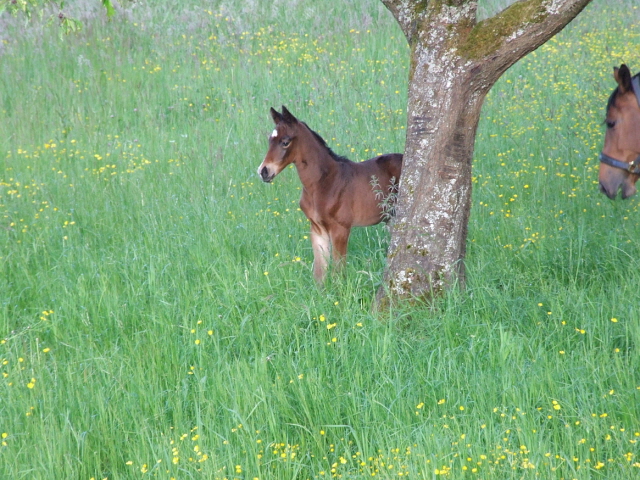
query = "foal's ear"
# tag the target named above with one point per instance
(277, 117)
(622, 75)
(288, 116)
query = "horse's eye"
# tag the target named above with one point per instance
(286, 142)
(610, 123)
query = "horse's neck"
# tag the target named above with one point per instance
(314, 165)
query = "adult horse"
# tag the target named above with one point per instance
(620, 157)
(337, 194)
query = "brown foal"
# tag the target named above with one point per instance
(337, 193)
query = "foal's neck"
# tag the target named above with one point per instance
(315, 162)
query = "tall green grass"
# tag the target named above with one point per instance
(158, 316)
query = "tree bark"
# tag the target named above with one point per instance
(455, 60)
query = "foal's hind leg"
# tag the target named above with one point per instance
(321, 245)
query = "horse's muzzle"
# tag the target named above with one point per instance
(625, 188)
(611, 195)
(265, 175)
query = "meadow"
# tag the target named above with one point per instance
(158, 316)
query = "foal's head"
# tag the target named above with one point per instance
(283, 147)
(620, 156)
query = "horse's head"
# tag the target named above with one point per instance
(282, 144)
(620, 157)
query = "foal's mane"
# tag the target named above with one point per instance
(335, 156)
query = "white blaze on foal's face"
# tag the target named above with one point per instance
(266, 172)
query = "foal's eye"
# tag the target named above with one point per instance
(610, 123)
(286, 142)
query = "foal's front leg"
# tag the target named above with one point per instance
(321, 244)
(339, 240)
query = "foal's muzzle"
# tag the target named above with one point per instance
(265, 174)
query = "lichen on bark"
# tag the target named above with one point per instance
(488, 35)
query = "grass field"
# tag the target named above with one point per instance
(158, 316)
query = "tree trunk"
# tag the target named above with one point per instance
(454, 63)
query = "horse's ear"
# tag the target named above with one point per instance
(277, 117)
(622, 75)
(288, 116)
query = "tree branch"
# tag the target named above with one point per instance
(404, 11)
(517, 30)
(409, 13)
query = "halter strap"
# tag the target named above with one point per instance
(633, 167)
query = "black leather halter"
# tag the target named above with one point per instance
(633, 167)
